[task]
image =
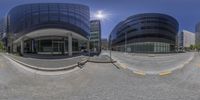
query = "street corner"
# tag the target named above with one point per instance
(122, 65)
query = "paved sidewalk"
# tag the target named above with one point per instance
(152, 64)
(99, 82)
(48, 63)
(101, 59)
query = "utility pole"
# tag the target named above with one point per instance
(110, 47)
(125, 42)
(89, 45)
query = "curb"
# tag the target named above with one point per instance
(101, 61)
(139, 72)
(96, 61)
(124, 66)
(47, 71)
(163, 73)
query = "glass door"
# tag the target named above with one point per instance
(58, 47)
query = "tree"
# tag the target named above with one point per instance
(192, 47)
(197, 47)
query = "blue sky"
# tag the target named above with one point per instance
(185, 11)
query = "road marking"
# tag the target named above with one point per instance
(163, 73)
(198, 65)
(139, 72)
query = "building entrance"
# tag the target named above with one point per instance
(58, 47)
(46, 45)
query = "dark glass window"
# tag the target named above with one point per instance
(35, 8)
(35, 18)
(53, 17)
(53, 7)
(44, 17)
(28, 20)
(71, 19)
(43, 7)
(74, 45)
(63, 19)
(66, 44)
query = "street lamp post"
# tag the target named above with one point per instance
(89, 45)
(125, 42)
(110, 43)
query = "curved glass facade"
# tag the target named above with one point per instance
(48, 28)
(26, 18)
(148, 33)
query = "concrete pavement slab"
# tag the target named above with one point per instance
(152, 64)
(99, 82)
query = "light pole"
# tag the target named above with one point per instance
(110, 43)
(125, 41)
(89, 44)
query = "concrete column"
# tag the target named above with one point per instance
(14, 47)
(79, 46)
(32, 45)
(22, 47)
(64, 47)
(88, 45)
(70, 44)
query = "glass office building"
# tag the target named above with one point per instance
(48, 28)
(145, 33)
(3, 27)
(95, 35)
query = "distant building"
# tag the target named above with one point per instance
(197, 35)
(95, 35)
(186, 39)
(104, 44)
(2, 28)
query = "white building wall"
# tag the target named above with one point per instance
(188, 38)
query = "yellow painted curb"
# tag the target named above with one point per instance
(123, 65)
(165, 73)
(198, 65)
(139, 72)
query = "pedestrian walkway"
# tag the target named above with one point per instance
(101, 59)
(48, 63)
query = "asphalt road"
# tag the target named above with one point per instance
(151, 64)
(99, 82)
